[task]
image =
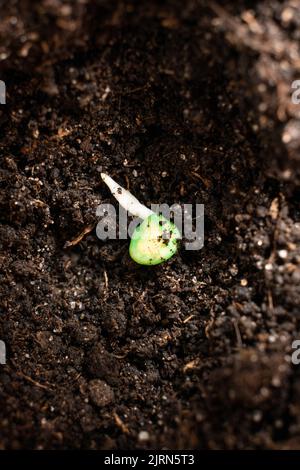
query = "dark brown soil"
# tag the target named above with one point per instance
(183, 102)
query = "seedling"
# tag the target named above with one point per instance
(155, 239)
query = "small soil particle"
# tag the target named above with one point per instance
(100, 392)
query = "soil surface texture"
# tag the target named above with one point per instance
(180, 102)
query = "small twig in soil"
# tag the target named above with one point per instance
(79, 237)
(209, 326)
(105, 290)
(127, 182)
(274, 209)
(31, 380)
(191, 365)
(270, 301)
(206, 183)
(238, 333)
(188, 318)
(105, 280)
(120, 424)
(134, 90)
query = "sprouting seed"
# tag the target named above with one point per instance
(155, 239)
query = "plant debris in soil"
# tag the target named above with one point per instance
(180, 104)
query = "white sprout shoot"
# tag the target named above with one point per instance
(126, 199)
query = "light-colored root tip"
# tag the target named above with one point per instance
(126, 199)
(105, 177)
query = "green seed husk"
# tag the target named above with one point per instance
(154, 241)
